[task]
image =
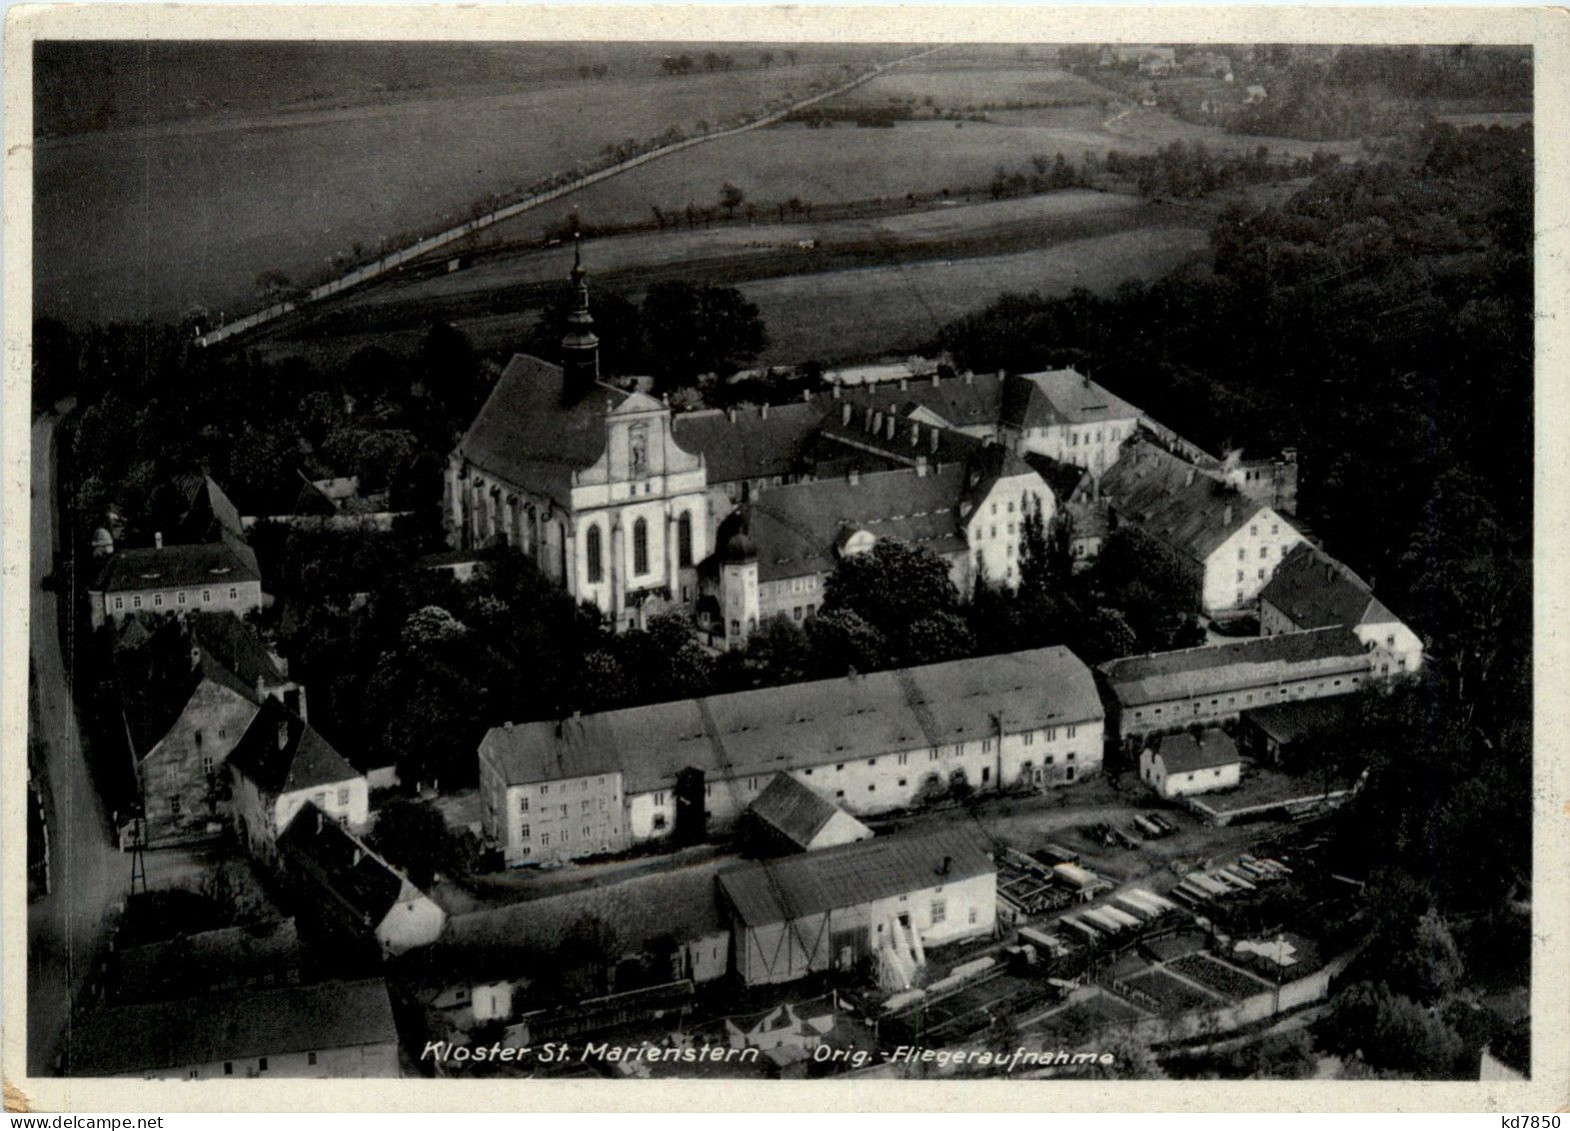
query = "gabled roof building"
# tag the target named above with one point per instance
(889, 898)
(189, 690)
(870, 743)
(282, 765)
(1312, 590)
(791, 816)
(1171, 691)
(329, 1029)
(353, 894)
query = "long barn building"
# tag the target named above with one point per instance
(557, 790)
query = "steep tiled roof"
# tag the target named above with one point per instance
(854, 874)
(1314, 590)
(1182, 753)
(238, 1025)
(1254, 662)
(525, 435)
(206, 513)
(965, 402)
(1175, 502)
(316, 846)
(1069, 397)
(225, 562)
(796, 527)
(304, 760)
(230, 649)
(793, 809)
(756, 444)
(803, 724)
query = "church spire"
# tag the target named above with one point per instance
(580, 347)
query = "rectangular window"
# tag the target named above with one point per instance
(545, 840)
(940, 911)
(565, 836)
(234, 593)
(136, 602)
(972, 916)
(261, 1064)
(119, 602)
(523, 832)
(158, 600)
(902, 758)
(207, 762)
(1264, 551)
(523, 804)
(544, 789)
(1030, 738)
(343, 795)
(228, 1068)
(872, 761)
(659, 799)
(174, 806)
(207, 596)
(180, 599)
(1072, 731)
(310, 1058)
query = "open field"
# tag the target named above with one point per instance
(924, 157)
(958, 84)
(855, 314)
(866, 287)
(186, 193)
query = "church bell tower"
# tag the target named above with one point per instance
(580, 348)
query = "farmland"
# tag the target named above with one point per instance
(171, 182)
(862, 288)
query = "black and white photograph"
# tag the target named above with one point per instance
(595, 558)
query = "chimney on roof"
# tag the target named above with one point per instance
(1226, 515)
(947, 866)
(730, 414)
(934, 379)
(892, 425)
(1330, 572)
(915, 433)
(283, 734)
(874, 422)
(970, 377)
(158, 539)
(806, 396)
(904, 383)
(1188, 478)
(834, 391)
(196, 656)
(853, 476)
(845, 410)
(764, 411)
(261, 686)
(921, 466)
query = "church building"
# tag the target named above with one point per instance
(585, 478)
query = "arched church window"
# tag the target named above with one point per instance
(592, 552)
(684, 539)
(640, 547)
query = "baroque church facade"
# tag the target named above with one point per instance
(585, 478)
(624, 503)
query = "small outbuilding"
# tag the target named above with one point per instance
(1180, 764)
(790, 816)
